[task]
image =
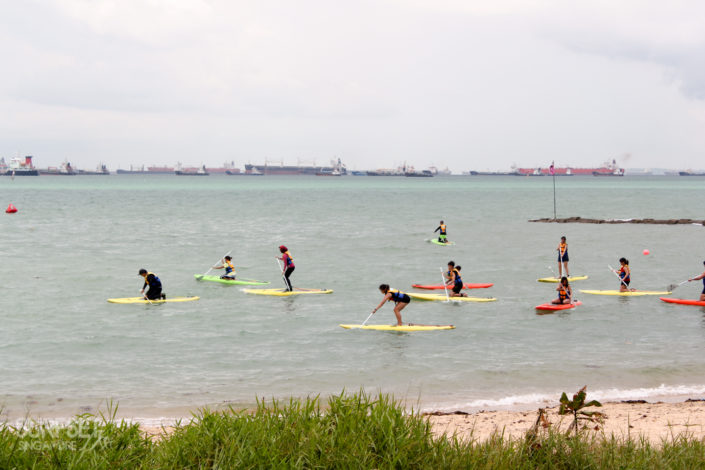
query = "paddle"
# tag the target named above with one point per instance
(146, 298)
(286, 286)
(672, 287)
(620, 279)
(553, 272)
(211, 268)
(445, 288)
(363, 323)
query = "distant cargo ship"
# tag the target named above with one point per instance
(226, 169)
(18, 167)
(690, 173)
(160, 170)
(133, 171)
(99, 170)
(493, 173)
(385, 172)
(65, 169)
(607, 169)
(191, 171)
(419, 174)
(281, 169)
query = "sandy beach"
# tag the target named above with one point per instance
(653, 421)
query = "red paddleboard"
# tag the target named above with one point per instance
(554, 307)
(467, 285)
(697, 303)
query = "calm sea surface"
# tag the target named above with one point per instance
(77, 241)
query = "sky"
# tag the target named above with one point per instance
(468, 85)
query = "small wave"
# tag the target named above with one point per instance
(662, 392)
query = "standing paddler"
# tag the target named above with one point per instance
(625, 275)
(399, 298)
(288, 268)
(563, 258)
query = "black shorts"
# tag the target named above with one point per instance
(457, 287)
(626, 281)
(565, 258)
(405, 299)
(154, 293)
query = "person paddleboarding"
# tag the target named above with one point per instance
(152, 284)
(563, 258)
(288, 268)
(697, 278)
(565, 293)
(399, 298)
(625, 275)
(455, 282)
(227, 264)
(442, 235)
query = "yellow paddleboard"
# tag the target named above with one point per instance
(141, 300)
(409, 327)
(616, 292)
(284, 293)
(557, 279)
(443, 298)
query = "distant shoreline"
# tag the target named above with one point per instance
(580, 220)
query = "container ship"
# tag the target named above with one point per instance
(607, 169)
(281, 169)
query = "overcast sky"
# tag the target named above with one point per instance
(464, 84)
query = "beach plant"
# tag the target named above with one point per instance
(346, 431)
(576, 407)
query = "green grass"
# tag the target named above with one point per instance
(348, 431)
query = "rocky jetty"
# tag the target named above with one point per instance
(580, 220)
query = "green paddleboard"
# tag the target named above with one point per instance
(236, 282)
(435, 240)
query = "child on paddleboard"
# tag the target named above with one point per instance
(455, 282)
(697, 278)
(399, 298)
(442, 233)
(565, 293)
(227, 264)
(625, 275)
(563, 258)
(288, 268)
(152, 284)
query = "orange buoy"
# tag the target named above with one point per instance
(11, 209)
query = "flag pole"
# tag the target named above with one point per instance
(553, 173)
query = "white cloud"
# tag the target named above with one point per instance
(458, 83)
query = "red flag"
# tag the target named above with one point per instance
(551, 169)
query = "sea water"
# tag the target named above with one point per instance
(77, 241)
